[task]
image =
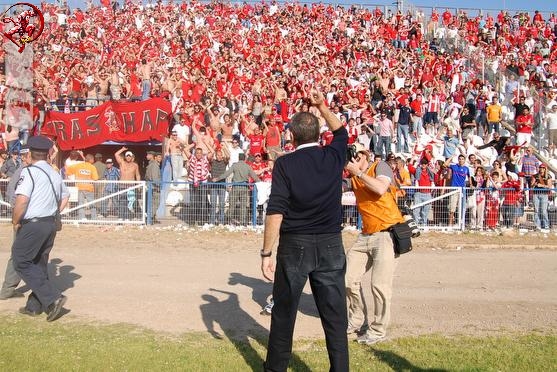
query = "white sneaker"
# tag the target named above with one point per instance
(368, 339)
(268, 309)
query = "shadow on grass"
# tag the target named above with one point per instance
(239, 327)
(262, 290)
(399, 364)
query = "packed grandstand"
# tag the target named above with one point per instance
(450, 81)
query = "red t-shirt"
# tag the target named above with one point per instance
(521, 127)
(273, 136)
(255, 143)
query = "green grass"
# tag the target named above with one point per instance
(34, 345)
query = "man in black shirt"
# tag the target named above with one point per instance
(498, 143)
(305, 215)
(512, 68)
(519, 107)
(467, 123)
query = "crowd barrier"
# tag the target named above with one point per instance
(243, 204)
(481, 209)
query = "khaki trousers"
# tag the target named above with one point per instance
(375, 253)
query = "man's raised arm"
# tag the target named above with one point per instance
(318, 101)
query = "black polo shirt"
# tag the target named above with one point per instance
(307, 187)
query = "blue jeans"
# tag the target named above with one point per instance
(218, 194)
(421, 213)
(321, 259)
(384, 146)
(402, 132)
(481, 120)
(541, 217)
(145, 89)
(492, 126)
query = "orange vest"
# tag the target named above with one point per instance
(379, 212)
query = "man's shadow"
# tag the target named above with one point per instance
(61, 276)
(238, 326)
(400, 364)
(262, 291)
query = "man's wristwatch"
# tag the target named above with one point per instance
(265, 254)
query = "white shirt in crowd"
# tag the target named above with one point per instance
(183, 132)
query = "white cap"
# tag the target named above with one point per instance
(108, 160)
(128, 153)
(513, 176)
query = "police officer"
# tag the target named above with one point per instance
(11, 278)
(39, 193)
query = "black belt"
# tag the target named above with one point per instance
(38, 219)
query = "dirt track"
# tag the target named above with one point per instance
(178, 280)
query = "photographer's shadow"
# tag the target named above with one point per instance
(262, 292)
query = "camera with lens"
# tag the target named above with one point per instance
(351, 152)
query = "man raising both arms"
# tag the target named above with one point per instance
(304, 215)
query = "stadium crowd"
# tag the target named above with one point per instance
(409, 86)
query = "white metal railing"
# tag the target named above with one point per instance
(136, 203)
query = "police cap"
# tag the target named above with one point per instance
(24, 149)
(39, 143)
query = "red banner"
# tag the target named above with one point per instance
(112, 121)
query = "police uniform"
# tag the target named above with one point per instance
(36, 231)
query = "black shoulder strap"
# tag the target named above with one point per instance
(51, 184)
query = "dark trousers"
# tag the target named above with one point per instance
(321, 258)
(198, 204)
(30, 252)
